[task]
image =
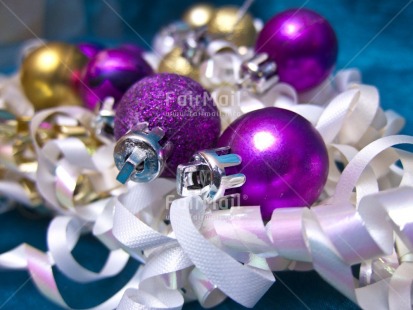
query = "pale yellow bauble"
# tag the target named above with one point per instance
(223, 25)
(49, 75)
(198, 15)
(174, 62)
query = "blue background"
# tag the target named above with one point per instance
(374, 36)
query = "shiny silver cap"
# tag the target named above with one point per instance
(205, 174)
(139, 156)
(258, 74)
(194, 45)
(105, 120)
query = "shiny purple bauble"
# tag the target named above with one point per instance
(178, 105)
(110, 73)
(303, 45)
(132, 48)
(284, 159)
(90, 49)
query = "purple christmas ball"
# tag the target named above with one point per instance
(110, 73)
(303, 45)
(90, 49)
(132, 48)
(178, 105)
(284, 159)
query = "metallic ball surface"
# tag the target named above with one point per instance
(175, 62)
(303, 45)
(225, 25)
(284, 159)
(49, 75)
(110, 73)
(198, 15)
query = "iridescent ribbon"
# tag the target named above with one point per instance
(63, 161)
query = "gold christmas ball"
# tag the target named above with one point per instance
(174, 62)
(224, 25)
(198, 15)
(49, 75)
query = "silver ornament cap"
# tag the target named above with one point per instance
(258, 74)
(104, 121)
(205, 174)
(139, 156)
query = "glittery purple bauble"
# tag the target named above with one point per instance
(110, 73)
(284, 159)
(304, 46)
(90, 49)
(177, 104)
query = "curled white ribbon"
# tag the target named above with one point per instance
(62, 161)
(40, 264)
(69, 229)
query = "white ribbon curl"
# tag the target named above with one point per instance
(62, 161)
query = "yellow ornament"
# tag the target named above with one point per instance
(175, 62)
(224, 24)
(198, 15)
(50, 73)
